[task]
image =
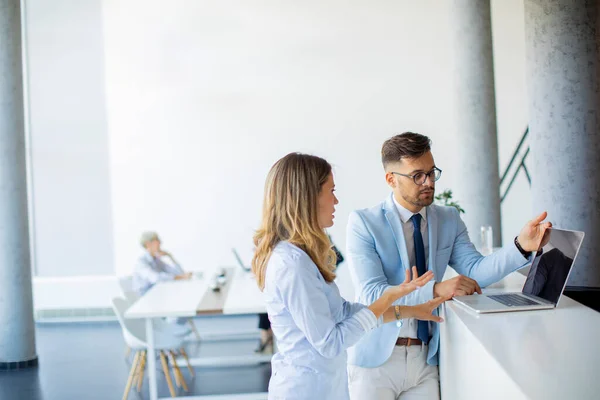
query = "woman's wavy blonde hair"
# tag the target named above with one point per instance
(290, 213)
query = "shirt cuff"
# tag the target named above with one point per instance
(366, 319)
(518, 255)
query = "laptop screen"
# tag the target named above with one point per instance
(549, 271)
(239, 260)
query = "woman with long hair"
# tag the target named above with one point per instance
(294, 266)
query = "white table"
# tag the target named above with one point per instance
(188, 299)
(544, 354)
(244, 295)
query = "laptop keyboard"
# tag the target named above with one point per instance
(513, 300)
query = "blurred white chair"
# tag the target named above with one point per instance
(126, 286)
(166, 343)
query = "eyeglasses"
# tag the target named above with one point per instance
(421, 177)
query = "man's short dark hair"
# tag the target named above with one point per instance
(405, 145)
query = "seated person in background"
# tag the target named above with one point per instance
(151, 269)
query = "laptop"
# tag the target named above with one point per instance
(239, 261)
(545, 281)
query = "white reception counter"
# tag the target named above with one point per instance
(545, 354)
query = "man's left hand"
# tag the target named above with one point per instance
(534, 234)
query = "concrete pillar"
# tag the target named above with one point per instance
(477, 188)
(563, 68)
(17, 329)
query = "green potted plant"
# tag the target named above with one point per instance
(445, 199)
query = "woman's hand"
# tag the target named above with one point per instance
(163, 253)
(410, 285)
(424, 311)
(382, 305)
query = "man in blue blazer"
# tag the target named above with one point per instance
(406, 229)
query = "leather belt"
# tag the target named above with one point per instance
(402, 341)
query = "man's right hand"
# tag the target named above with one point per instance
(458, 286)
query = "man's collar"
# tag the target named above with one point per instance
(406, 215)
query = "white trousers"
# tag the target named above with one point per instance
(404, 376)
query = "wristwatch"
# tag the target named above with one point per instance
(526, 254)
(398, 316)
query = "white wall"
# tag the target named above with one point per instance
(69, 147)
(203, 97)
(194, 101)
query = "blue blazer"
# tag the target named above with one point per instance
(377, 258)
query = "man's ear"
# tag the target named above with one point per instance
(390, 179)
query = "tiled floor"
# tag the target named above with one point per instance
(86, 361)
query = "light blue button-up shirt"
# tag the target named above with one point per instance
(313, 326)
(150, 270)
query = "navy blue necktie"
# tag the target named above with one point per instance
(423, 326)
